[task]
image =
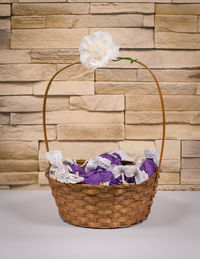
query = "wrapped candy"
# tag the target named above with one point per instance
(98, 177)
(149, 167)
(152, 154)
(60, 171)
(123, 156)
(97, 163)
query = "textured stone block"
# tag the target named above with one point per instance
(5, 24)
(190, 176)
(18, 165)
(76, 73)
(169, 178)
(16, 88)
(98, 103)
(26, 132)
(170, 166)
(195, 119)
(21, 150)
(168, 75)
(54, 56)
(42, 178)
(4, 10)
(28, 22)
(90, 132)
(148, 21)
(149, 117)
(4, 39)
(43, 1)
(39, 38)
(175, 23)
(130, 37)
(116, 75)
(158, 59)
(172, 102)
(65, 88)
(191, 149)
(171, 149)
(18, 178)
(50, 9)
(30, 187)
(31, 103)
(178, 9)
(142, 132)
(114, 1)
(4, 118)
(135, 148)
(59, 117)
(190, 163)
(79, 150)
(141, 88)
(173, 40)
(111, 8)
(178, 187)
(4, 187)
(15, 56)
(198, 24)
(26, 72)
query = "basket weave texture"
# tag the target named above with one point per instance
(102, 206)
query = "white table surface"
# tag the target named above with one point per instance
(30, 227)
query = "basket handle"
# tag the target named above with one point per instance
(132, 60)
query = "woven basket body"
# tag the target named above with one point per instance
(104, 206)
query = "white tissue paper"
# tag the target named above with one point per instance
(60, 171)
(94, 162)
(152, 154)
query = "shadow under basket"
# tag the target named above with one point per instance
(100, 206)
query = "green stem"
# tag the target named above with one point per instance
(118, 59)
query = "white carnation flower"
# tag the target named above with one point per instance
(97, 49)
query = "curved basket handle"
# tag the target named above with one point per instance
(78, 62)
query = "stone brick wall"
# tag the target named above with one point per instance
(111, 108)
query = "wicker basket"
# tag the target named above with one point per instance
(104, 206)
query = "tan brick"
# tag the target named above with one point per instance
(158, 59)
(5, 24)
(76, 73)
(173, 40)
(135, 148)
(90, 132)
(68, 21)
(98, 103)
(180, 187)
(18, 165)
(173, 131)
(26, 72)
(172, 102)
(191, 149)
(4, 39)
(198, 25)
(40, 38)
(170, 75)
(30, 187)
(65, 88)
(26, 132)
(18, 178)
(114, 1)
(169, 178)
(54, 56)
(185, 1)
(190, 176)
(31, 103)
(16, 88)
(190, 163)
(43, 165)
(148, 21)
(176, 23)
(73, 117)
(170, 166)
(140, 88)
(27, 22)
(178, 9)
(116, 75)
(42, 178)
(19, 150)
(4, 187)
(4, 118)
(15, 56)
(79, 150)
(43, 1)
(171, 149)
(129, 37)
(4, 10)
(149, 117)
(195, 119)
(111, 8)
(50, 9)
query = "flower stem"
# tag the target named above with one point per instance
(120, 58)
